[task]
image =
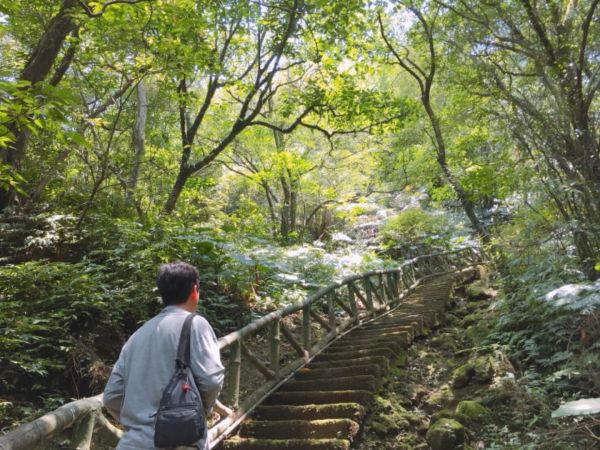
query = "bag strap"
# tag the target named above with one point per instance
(184, 347)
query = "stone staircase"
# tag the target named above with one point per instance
(323, 405)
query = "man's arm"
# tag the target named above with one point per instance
(115, 388)
(206, 362)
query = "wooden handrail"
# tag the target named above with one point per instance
(387, 286)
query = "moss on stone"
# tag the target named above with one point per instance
(477, 291)
(444, 341)
(476, 371)
(445, 434)
(441, 397)
(441, 414)
(470, 412)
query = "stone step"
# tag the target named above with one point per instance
(342, 355)
(309, 373)
(300, 429)
(352, 346)
(352, 411)
(401, 341)
(360, 382)
(391, 332)
(381, 361)
(362, 397)
(237, 443)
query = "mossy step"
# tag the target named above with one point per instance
(390, 332)
(352, 411)
(319, 397)
(361, 382)
(352, 346)
(238, 443)
(401, 340)
(414, 320)
(426, 314)
(413, 328)
(342, 355)
(308, 373)
(290, 429)
(357, 334)
(381, 361)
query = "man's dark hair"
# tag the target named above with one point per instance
(175, 281)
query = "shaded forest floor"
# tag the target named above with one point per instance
(454, 375)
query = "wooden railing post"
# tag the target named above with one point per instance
(352, 300)
(83, 431)
(382, 289)
(390, 287)
(275, 344)
(396, 284)
(369, 293)
(306, 335)
(234, 374)
(331, 311)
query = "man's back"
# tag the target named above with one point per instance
(145, 366)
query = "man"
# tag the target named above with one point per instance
(147, 360)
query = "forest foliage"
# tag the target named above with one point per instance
(252, 138)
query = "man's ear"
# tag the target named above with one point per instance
(195, 292)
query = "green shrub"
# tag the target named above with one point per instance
(414, 225)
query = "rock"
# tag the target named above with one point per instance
(469, 412)
(476, 333)
(444, 341)
(477, 292)
(442, 397)
(441, 414)
(445, 434)
(476, 371)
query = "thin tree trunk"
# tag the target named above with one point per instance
(139, 136)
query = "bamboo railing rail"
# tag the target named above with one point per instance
(282, 342)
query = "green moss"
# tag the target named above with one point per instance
(478, 292)
(442, 397)
(445, 434)
(445, 341)
(441, 414)
(476, 333)
(470, 412)
(475, 371)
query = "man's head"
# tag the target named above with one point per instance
(177, 282)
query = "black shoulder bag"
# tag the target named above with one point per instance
(180, 418)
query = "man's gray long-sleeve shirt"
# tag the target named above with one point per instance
(145, 366)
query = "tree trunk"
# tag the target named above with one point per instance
(36, 69)
(463, 198)
(139, 136)
(285, 210)
(178, 186)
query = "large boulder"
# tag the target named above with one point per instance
(445, 434)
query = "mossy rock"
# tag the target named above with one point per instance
(470, 412)
(503, 391)
(444, 341)
(441, 397)
(389, 417)
(474, 318)
(445, 434)
(442, 414)
(478, 292)
(476, 332)
(475, 371)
